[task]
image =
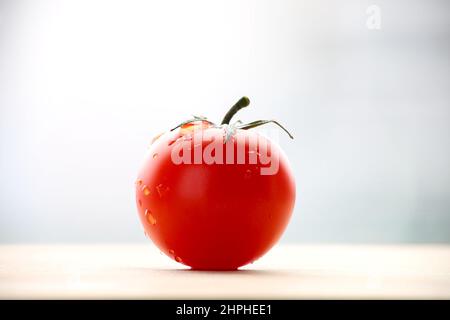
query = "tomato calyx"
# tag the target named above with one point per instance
(258, 123)
(230, 129)
(200, 119)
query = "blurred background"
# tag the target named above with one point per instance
(364, 86)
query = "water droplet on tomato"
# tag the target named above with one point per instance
(145, 190)
(171, 252)
(178, 259)
(254, 152)
(162, 190)
(139, 182)
(140, 203)
(155, 156)
(156, 138)
(150, 218)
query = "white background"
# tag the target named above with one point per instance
(84, 86)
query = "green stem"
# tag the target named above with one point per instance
(242, 103)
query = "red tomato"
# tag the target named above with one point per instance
(213, 216)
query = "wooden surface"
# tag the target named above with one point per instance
(305, 271)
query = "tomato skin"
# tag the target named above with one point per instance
(212, 217)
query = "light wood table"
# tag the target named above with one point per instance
(286, 272)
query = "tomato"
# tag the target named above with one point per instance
(211, 215)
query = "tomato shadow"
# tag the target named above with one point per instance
(238, 272)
